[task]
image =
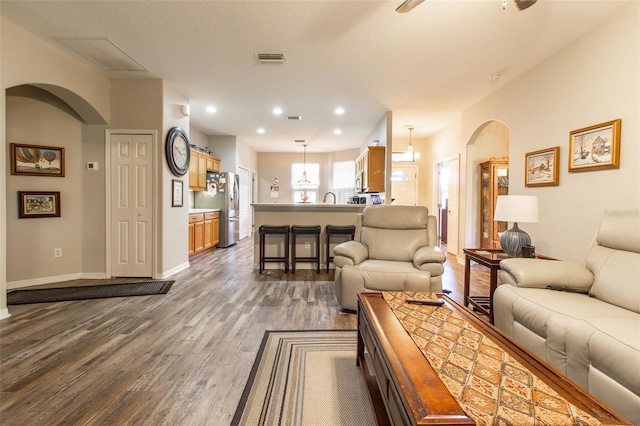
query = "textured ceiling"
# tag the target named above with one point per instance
(426, 66)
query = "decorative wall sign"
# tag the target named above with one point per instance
(37, 160)
(33, 204)
(177, 199)
(542, 167)
(595, 147)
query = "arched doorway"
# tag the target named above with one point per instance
(491, 139)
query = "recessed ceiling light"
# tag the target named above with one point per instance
(277, 111)
(211, 109)
(260, 130)
(337, 132)
(339, 111)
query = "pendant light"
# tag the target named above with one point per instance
(411, 154)
(304, 182)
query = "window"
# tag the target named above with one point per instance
(344, 173)
(305, 193)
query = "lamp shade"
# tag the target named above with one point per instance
(516, 208)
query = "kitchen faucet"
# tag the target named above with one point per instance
(324, 199)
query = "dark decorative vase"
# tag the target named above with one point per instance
(513, 239)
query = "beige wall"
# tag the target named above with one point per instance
(174, 221)
(575, 88)
(32, 240)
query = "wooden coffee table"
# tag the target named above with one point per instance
(400, 376)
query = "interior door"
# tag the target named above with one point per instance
(131, 207)
(453, 209)
(404, 189)
(245, 200)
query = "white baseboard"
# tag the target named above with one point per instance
(4, 314)
(56, 278)
(173, 271)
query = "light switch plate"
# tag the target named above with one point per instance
(92, 165)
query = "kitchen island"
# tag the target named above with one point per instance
(301, 214)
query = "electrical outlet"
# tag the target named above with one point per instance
(307, 245)
(57, 252)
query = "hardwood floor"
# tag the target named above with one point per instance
(180, 358)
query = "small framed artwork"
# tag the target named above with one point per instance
(37, 160)
(32, 204)
(542, 167)
(595, 147)
(177, 199)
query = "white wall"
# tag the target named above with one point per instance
(590, 82)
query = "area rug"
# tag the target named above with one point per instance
(306, 378)
(44, 295)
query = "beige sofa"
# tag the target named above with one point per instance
(583, 320)
(394, 249)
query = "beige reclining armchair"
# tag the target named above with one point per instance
(395, 249)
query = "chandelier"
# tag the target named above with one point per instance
(304, 182)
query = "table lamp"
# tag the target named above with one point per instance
(516, 208)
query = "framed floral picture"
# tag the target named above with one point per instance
(39, 204)
(542, 167)
(37, 160)
(595, 147)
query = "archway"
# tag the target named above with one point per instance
(490, 139)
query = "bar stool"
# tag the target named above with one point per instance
(337, 230)
(305, 230)
(265, 230)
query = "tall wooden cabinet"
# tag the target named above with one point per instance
(370, 166)
(494, 181)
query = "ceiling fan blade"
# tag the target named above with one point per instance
(407, 5)
(523, 4)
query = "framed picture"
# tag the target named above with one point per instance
(542, 167)
(33, 204)
(595, 147)
(177, 200)
(37, 160)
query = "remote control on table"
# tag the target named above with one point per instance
(436, 302)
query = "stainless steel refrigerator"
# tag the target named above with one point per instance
(226, 198)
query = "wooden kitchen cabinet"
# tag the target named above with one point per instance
(370, 167)
(199, 165)
(215, 231)
(494, 181)
(204, 232)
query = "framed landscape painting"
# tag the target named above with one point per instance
(595, 147)
(542, 167)
(38, 204)
(37, 160)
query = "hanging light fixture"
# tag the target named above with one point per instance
(411, 155)
(304, 182)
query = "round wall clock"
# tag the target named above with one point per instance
(178, 151)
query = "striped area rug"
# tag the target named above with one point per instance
(306, 378)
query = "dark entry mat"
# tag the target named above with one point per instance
(44, 295)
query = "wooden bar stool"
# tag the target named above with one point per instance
(337, 230)
(305, 230)
(265, 230)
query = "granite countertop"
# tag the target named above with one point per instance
(195, 211)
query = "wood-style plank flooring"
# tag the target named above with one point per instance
(177, 359)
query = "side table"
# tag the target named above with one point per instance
(489, 258)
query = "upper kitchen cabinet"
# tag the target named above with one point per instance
(370, 166)
(200, 164)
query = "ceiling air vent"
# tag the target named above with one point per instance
(294, 117)
(270, 58)
(299, 140)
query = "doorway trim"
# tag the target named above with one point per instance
(154, 215)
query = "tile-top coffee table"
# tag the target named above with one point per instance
(411, 390)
